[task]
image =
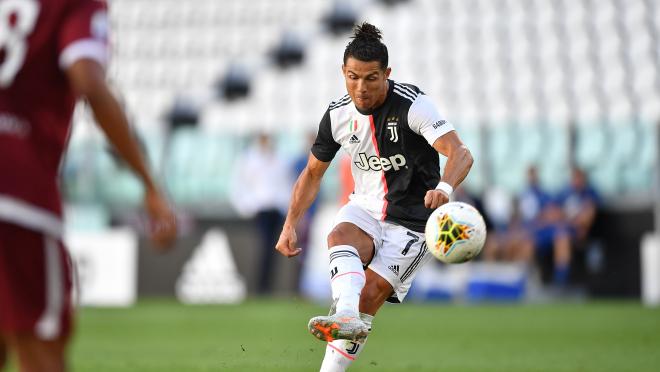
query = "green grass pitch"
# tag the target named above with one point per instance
(271, 335)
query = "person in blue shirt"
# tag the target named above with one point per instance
(546, 229)
(579, 202)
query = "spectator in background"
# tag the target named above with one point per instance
(545, 229)
(543, 225)
(579, 202)
(503, 238)
(260, 190)
(461, 194)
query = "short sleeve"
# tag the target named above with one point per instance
(424, 119)
(84, 33)
(325, 147)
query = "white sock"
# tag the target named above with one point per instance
(346, 278)
(339, 354)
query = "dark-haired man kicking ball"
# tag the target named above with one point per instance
(393, 133)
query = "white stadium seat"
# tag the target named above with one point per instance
(495, 63)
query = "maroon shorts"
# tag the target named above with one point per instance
(35, 284)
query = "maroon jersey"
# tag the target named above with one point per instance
(40, 40)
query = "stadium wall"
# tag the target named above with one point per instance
(608, 267)
(158, 273)
(620, 235)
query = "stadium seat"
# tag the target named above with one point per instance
(591, 145)
(638, 173)
(475, 182)
(539, 63)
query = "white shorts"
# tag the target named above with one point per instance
(399, 254)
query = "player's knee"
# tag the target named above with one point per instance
(339, 236)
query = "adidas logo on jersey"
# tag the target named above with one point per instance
(394, 269)
(373, 162)
(354, 139)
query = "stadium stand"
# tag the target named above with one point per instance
(522, 81)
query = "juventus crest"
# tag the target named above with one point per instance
(353, 348)
(392, 124)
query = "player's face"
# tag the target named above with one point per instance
(366, 83)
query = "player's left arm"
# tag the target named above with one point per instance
(425, 120)
(459, 162)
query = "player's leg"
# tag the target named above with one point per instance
(267, 224)
(35, 287)
(388, 277)
(340, 354)
(349, 247)
(3, 353)
(37, 355)
(395, 266)
(351, 244)
(374, 294)
(521, 248)
(561, 258)
(492, 248)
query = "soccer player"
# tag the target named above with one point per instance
(53, 51)
(393, 133)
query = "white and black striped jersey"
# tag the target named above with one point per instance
(394, 164)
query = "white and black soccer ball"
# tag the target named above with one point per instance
(455, 232)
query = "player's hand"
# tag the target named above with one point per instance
(435, 198)
(286, 245)
(162, 221)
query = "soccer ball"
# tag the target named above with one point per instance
(455, 232)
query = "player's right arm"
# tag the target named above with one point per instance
(307, 186)
(304, 192)
(82, 46)
(87, 77)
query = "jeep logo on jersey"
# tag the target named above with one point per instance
(375, 163)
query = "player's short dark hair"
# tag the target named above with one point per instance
(366, 45)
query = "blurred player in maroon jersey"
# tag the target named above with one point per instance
(51, 53)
